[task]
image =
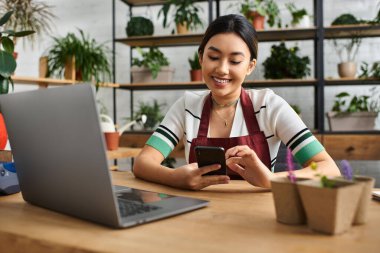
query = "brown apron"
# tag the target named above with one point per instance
(255, 139)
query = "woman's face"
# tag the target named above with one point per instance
(225, 64)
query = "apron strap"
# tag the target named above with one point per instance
(249, 113)
(205, 117)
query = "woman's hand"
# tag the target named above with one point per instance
(248, 165)
(191, 177)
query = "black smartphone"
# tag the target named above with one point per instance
(207, 155)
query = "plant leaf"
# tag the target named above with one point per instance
(4, 19)
(8, 44)
(23, 33)
(7, 64)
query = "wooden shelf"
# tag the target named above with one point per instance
(44, 82)
(41, 81)
(149, 2)
(286, 34)
(351, 81)
(195, 39)
(201, 85)
(269, 35)
(163, 40)
(349, 31)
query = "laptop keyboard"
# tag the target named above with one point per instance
(130, 207)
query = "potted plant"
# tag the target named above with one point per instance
(360, 113)
(347, 49)
(257, 10)
(28, 15)
(153, 114)
(87, 59)
(186, 15)
(285, 63)
(370, 72)
(153, 66)
(195, 66)
(330, 205)
(300, 17)
(7, 66)
(139, 26)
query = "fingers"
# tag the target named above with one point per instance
(241, 151)
(211, 180)
(206, 169)
(236, 164)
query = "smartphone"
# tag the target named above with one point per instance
(207, 155)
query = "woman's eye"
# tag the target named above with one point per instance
(213, 58)
(235, 62)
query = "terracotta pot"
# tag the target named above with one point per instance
(347, 69)
(354, 121)
(182, 29)
(287, 202)
(330, 210)
(112, 140)
(257, 20)
(3, 133)
(196, 75)
(43, 66)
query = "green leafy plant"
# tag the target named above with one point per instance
(185, 13)
(7, 62)
(28, 15)
(296, 108)
(285, 63)
(267, 8)
(194, 62)
(349, 46)
(90, 58)
(362, 103)
(370, 72)
(297, 14)
(153, 113)
(325, 182)
(139, 26)
(153, 59)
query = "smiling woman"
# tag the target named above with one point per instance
(248, 124)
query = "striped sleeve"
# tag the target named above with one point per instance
(304, 146)
(290, 129)
(167, 135)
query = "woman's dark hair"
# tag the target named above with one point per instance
(232, 24)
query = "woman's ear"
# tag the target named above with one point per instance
(200, 57)
(251, 66)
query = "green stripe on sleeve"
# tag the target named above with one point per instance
(171, 139)
(307, 152)
(301, 139)
(160, 145)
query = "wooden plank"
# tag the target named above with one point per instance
(201, 85)
(353, 146)
(349, 31)
(123, 152)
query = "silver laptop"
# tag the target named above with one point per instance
(61, 163)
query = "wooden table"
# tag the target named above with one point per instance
(240, 218)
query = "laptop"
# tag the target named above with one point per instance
(60, 158)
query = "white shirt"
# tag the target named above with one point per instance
(275, 117)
